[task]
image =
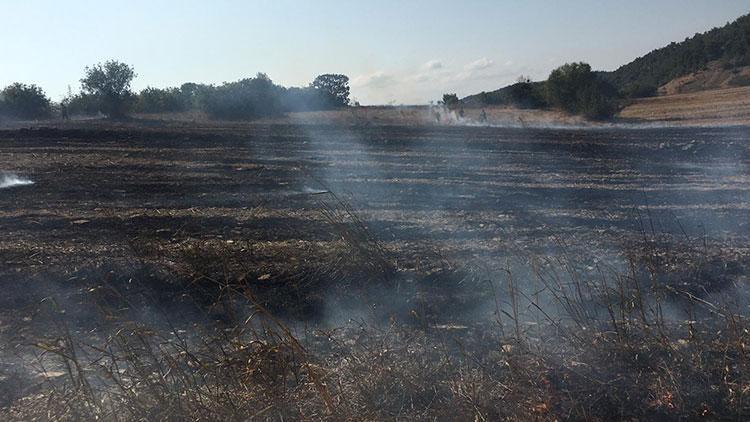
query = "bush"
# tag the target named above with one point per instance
(156, 100)
(109, 83)
(82, 104)
(25, 102)
(576, 89)
(245, 99)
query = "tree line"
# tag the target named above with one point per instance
(572, 87)
(106, 90)
(728, 45)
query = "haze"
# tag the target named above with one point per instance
(394, 52)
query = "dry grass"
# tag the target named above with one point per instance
(543, 340)
(714, 107)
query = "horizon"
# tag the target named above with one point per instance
(393, 54)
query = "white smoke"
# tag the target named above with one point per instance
(8, 180)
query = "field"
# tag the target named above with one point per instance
(727, 106)
(293, 270)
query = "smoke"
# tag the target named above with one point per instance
(9, 180)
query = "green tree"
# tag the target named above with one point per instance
(109, 83)
(451, 101)
(25, 101)
(576, 89)
(334, 89)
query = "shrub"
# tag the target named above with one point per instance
(156, 100)
(82, 104)
(25, 101)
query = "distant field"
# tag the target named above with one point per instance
(729, 106)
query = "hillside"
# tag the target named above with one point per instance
(728, 106)
(728, 47)
(714, 76)
(719, 58)
(521, 94)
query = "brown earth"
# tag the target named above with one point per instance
(730, 106)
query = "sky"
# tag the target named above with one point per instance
(394, 51)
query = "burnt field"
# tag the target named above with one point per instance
(472, 191)
(374, 272)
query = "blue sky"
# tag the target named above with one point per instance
(394, 51)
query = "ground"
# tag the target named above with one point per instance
(284, 198)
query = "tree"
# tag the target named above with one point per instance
(109, 83)
(25, 101)
(245, 99)
(334, 89)
(451, 101)
(576, 89)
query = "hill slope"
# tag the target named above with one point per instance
(714, 76)
(728, 46)
(703, 59)
(729, 106)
